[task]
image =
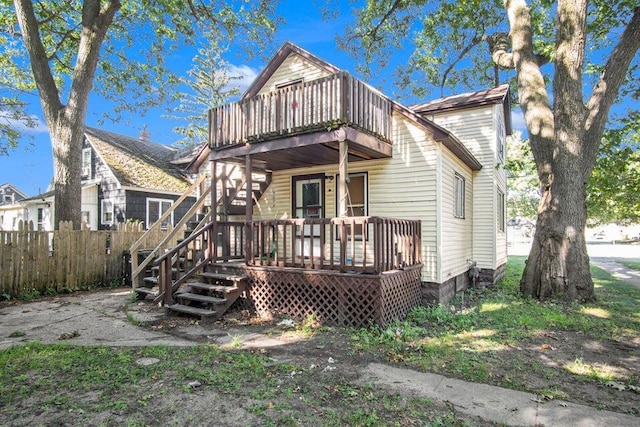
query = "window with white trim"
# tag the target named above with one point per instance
(356, 198)
(156, 208)
(459, 196)
(501, 211)
(106, 212)
(86, 162)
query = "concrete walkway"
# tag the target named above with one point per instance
(618, 271)
(103, 318)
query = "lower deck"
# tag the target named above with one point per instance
(331, 297)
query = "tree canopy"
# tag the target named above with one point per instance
(119, 51)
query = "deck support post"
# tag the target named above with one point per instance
(343, 173)
(248, 210)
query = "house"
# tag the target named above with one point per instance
(123, 179)
(369, 207)
(10, 210)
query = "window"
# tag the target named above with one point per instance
(40, 219)
(501, 138)
(460, 196)
(156, 208)
(8, 198)
(107, 212)
(356, 197)
(501, 214)
(86, 162)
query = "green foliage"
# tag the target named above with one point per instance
(209, 86)
(134, 56)
(523, 193)
(612, 190)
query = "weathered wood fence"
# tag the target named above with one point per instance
(66, 259)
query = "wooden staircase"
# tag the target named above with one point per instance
(197, 288)
(210, 295)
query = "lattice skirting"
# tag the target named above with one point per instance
(339, 299)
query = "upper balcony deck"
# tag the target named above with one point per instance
(305, 114)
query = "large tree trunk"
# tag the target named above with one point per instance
(558, 264)
(66, 141)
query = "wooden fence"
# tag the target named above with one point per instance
(66, 259)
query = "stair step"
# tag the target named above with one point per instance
(202, 312)
(217, 288)
(146, 291)
(200, 298)
(150, 280)
(157, 268)
(222, 276)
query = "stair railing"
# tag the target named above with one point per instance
(138, 268)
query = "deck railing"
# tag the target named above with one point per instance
(338, 99)
(361, 244)
(352, 244)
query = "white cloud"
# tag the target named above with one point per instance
(35, 127)
(246, 76)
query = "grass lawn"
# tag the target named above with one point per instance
(631, 264)
(555, 350)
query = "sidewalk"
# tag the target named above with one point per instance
(617, 270)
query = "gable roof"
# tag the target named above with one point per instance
(495, 95)
(277, 60)
(138, 163)
(8, 188)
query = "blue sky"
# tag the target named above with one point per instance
(30, 166)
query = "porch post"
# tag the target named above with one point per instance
(213, 238)
(248, 210)
(343, 171)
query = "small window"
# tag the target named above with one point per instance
(40, 219)
(107, 212)
(460, 196)
(501, 139)
(156, 208)
(501, 214)
(8, 198)
(86, 162)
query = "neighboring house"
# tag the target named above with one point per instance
(123, 179)
(11, 213)
(356, 181)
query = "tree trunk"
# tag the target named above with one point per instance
(66, 142)
(558, 264)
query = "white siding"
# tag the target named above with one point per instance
(456, 247)
(292, 68)
(501, 185)
(476, 129)
(402, 187)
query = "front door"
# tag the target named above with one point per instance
(308, 202)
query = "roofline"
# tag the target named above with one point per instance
(150, 190)
(198, 159)
(502, 96)
(95, 150)
(15, 189)
(277, 60)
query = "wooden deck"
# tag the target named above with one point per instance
(349, 271)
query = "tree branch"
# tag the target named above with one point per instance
(532, 93)
(38, 56)
(474, 42)
(95, 23)
(612, 77)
